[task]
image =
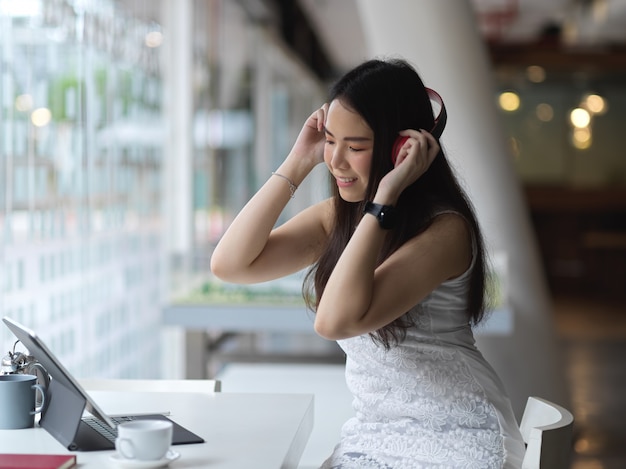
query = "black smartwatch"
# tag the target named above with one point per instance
(385, 214)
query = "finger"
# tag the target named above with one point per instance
(321, 116)
(409, 133)
(431, 142)
(403, 150)
(430, 137)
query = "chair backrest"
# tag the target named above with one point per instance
(547, 431)
(203, 386)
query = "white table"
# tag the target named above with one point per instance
(333, 400)
(242, 431)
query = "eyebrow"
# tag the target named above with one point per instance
(348, 139)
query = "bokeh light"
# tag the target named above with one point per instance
(24, 102)
(41, 117)
(535, 73)
(509, 101)
(580, 117)
(544, 112)
(595, 103)
(154, 39)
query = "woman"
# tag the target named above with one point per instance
(397, 276)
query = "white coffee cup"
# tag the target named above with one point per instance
(144, 440)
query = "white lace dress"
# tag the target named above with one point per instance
(430, 402)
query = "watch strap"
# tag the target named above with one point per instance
(385, 214)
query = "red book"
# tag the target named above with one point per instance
(37, 461)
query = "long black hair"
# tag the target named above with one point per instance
(390, 96)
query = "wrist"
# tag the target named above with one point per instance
(385, 214)
(295, 169)
(386, 195)
(385, 199)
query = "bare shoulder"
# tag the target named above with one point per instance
(453, 224)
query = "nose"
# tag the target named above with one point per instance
(338, 159)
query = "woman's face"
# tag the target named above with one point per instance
(348, 150)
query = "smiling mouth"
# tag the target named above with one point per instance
(346, 180)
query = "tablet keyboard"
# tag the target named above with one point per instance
(104, 430)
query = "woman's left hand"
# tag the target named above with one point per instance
(413, 160)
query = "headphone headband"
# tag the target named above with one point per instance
(442, 117)
(436, 131)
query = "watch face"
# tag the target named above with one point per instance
(385, 214)
(387, 218)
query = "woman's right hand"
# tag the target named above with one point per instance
(414, 158)
(311, 140)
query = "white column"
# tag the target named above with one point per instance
(177, 167)
(178, 109)
(441, 39)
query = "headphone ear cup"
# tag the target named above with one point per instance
(396, 148)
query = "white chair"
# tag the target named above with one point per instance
(547, 431)
(203, 386)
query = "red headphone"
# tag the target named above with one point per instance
(436, 131)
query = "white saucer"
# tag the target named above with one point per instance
(135, 464)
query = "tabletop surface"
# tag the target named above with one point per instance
(241, 430)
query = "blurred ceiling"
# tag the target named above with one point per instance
(550, 31)
(569, 35)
